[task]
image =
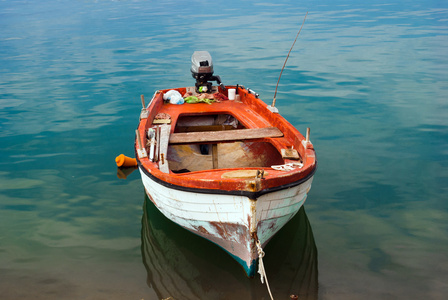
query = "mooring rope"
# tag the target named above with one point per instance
(261, 269)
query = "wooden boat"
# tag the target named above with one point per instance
(232, 171)
(182, 265)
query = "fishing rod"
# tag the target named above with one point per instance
(275, 94)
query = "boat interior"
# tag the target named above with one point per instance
(222, 135)
(198, 156)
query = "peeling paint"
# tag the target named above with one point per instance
(234, 223)
(202, 230)
(253, 216)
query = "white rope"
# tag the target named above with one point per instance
(261, 269)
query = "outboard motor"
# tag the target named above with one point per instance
(202, 71)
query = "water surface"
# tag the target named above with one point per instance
(369, 79)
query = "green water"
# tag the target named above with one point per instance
(369, 79)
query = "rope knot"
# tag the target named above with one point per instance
(260, 250)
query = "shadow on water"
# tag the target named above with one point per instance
(182, 265)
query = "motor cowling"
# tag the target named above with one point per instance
(202, 71)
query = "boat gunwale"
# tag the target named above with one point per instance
(249, 194)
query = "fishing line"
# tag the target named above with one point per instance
(275, 94)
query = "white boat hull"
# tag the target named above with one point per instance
(230, 221)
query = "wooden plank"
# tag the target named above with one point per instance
(215, 156)
(161, 121)
(156, 153)
(164, 138)
(290, 154)
(242, 174)
(140, 151)
(222, 136)
(203, 128)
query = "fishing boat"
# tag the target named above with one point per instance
(218, 161)
(182, 265)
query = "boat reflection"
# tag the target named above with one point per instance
(182, 265)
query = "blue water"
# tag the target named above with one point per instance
(370, 78)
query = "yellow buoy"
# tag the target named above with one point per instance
(125, 162)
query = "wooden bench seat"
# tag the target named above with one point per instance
(224, 135)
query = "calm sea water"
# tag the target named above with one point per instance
(369, 79)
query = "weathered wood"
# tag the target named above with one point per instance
(242, 174)
(203, 128)
(139, 139)
(156, 151)
(161, 121)
(143, 101)
(140, 150)
(226, 135)
(290, 154)
(164, 138)
(215, 156)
